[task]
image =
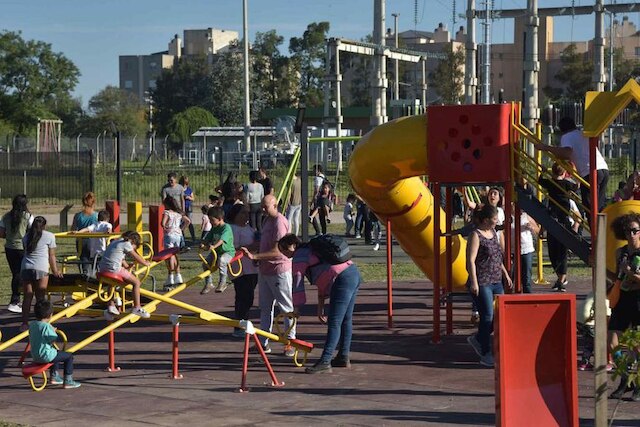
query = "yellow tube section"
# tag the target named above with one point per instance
(385, 170)
(613, 211)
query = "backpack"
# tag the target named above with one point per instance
(330, 248)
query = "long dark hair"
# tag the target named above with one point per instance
(18, 209)
(35, 233)
(171, 204)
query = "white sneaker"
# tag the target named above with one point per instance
(117, 300)
(358, 236)
(170, 280)
(112, 309)
(15, 308)
(178, 279)
(376, 246)
(139, 311)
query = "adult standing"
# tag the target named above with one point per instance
(486, 269)
(339, 283)
(625, 313)
(83, 219)
(228, 191)
(574, 146)
(318, 179)
(173, 189)
(13, 227)
(255, 194)
(294, 209)
(274, 272)
(265, 181)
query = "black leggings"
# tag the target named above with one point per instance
(67, 359)
(245, 287)
(14, 258)
(557, 254)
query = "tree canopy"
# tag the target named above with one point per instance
(185, 123)
(308, 52)
(448, 78)
(115, 106)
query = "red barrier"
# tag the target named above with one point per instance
(112, 353)
(175, 374)
(535, 354)
(155, 227)
(113, 207)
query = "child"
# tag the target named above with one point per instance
(98, 245)
(113, 261)
(220, 239)
(189, 197)
(41, 337)
(376, 232)
(349, 214)
(620, 193)
(174, 221)
(39, 257)
(205, 226)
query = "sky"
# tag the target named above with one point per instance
(93, 33)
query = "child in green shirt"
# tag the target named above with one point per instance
(41, 338)
(220, 239)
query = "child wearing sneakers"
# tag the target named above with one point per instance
(41, 338)
(220, 239)
(349, 214)
(113, 261)
(174, 221)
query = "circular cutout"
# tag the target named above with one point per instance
(453, 132)
(466, 143)
(477, 154)
(455, 156)
(476, 129)
(467, 167)
(488, 141)
(463, 119)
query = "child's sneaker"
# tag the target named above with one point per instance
(358, 236)
(112, 309)
(289, 351)
(208, 286)
(487, 360)
(221, 287)
(170, 280)
(70, 383)
(585, 366)
(56, 379)
(15, 308)
(178, 279)
(139, 311)
(475, 344)
(376, 246)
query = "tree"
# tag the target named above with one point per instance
(448, 77)
(34, 81)
(187, 84)
(115, 106)
(575, 74)
(361, 67)
(623, 68)
(184, 124)
(308, 53)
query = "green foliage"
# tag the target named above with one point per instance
(274, 76)
(575, 74)
(184, 124)
(448, 78)
(628, 361)
(309, 56)
(117, 106)
(228, 89)
(35, 82)
(623, 69)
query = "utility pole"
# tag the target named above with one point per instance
(531, 66)
(486, 55)
(470, 75)
(611, 75)
(247, 108)
(396, 72)
(379, 86)
(598, 48)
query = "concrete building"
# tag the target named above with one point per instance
(138, 73)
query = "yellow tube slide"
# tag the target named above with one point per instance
(385, 170)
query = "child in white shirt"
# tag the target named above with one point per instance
(349, 214)
(98, 245)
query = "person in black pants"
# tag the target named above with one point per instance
(558, 189)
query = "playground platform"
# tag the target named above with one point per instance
(398, 376)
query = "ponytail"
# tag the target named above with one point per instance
(35, 233)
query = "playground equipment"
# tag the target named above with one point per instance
(87, 291)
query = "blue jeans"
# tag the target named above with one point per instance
(485, 308)
(339, 322)
(526, 263)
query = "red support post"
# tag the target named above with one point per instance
(517, 229)
(506, 232)
(272, 374)
(436, 263)
(112, 353)
(389, 277)
(245, 365)
(155, 226)
(449, 258)
(113, 207)
(175, 374)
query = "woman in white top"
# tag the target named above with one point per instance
(245, 284)
(174, 221)
(39, 257)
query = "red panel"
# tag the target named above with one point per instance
(155, 226)
(113, 207)
(535, 354)
(468, 143)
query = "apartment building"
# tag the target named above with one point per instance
(138, 73)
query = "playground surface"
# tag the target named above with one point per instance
(398, 376)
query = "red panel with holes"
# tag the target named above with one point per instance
(468, 143)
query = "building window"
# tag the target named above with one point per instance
(152, 84)
(638, 52)
(128, 84)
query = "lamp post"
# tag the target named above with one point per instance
(247, 111)
(396, 78)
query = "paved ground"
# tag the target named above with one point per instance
(398, 377)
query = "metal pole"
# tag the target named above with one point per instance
(611, 75)
(304, 176)
(435, 337)
(389, 277)
(598, 48)
(379, 85)
(600, 344)
(486, 55)
(531, 66)
(118, 170)
(247, 108)
(338, 108)
(470, 77)
(396, 72)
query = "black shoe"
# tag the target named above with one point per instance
(341, 362)
(636, 394)
(563, 286)
(621, 390)
(556, 286)
(319, 368)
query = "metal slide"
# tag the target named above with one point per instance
(385, 170)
